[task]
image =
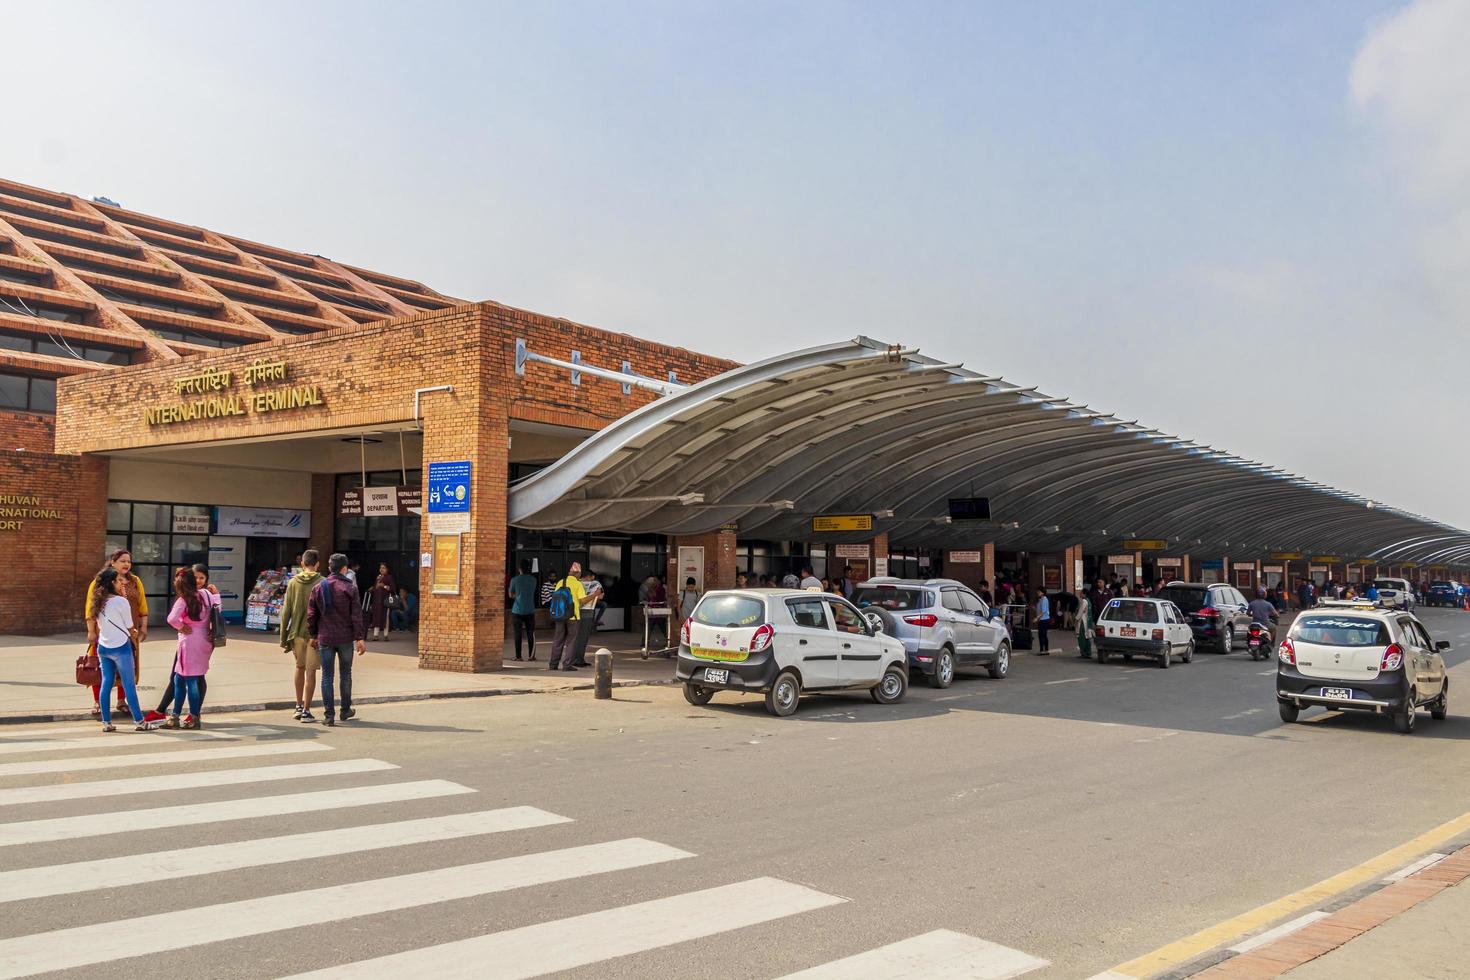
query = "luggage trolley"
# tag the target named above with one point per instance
(1018, 622)
(650, 613)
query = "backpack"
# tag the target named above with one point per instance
(561, 604)
(217, 636)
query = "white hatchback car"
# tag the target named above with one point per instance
(1143, 627)
(1394, 593)
(780, 642)
(1347, 654)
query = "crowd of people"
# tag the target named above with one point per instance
(324, 626)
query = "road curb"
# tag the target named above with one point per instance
(288, 704)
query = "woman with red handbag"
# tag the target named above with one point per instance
(130, 587)
(114, 636)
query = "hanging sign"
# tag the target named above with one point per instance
(825, 523)
(1145, 544)
(1286, 556)
(959, 558)
(1120, 560)
(1325, 560)
(1169, 562)
(851, 551)
(379, 501)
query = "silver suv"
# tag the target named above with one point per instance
(942, 625)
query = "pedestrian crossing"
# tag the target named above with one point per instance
(129, 856)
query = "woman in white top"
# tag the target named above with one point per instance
(114, 624)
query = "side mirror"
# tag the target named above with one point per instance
(1442, 645)
(875, 622)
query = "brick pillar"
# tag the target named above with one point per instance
(1069, 571)
(324, 515)
(987, 564)
(719, 560)
(466, 632)
(877, 548)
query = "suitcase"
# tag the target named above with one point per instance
(1021, 638)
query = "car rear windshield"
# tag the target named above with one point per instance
(1387, 583)
(1131, 611)
(895, 597)
(1342, 631)
(730, 611)
(1440, 585)
(1184, 597)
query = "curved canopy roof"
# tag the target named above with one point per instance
(862, 427)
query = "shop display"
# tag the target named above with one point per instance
(263, 607)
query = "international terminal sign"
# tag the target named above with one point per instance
(218, 398)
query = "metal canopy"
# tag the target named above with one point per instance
(865, 427)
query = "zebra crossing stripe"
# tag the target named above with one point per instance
(186, 780)
(187, 815)
(47, 733)
(63, 949)
(138, 869)
(563, 944)
(158, 758)
(940, 955)
(107, 743)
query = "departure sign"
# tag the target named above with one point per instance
(842, 522)
(969, 508)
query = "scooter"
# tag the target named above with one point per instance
(1259, 641)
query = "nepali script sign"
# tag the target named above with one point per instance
(210, 394)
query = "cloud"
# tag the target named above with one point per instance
(1411, 80)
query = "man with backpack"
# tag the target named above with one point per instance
(334, 618)
(565, 607)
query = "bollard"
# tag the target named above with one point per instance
(602, 675)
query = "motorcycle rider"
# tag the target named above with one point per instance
(1264, 613)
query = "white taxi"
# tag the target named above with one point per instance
(780, 642)
(1154, 628)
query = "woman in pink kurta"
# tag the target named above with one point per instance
(190, 616)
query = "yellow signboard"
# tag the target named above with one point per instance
(445, 578)
(216, 401)
(1325, 559)
(1286, 555)
(1145, 544)
(842, 522)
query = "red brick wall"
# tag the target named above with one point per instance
(33, 433)
(51, 559)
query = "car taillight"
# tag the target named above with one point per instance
(1286, 653)
(684, 633)
(1208, 612)
(1100, 631)
(1393, 658)
(1158, 634)
(762, 638)
(922, 619)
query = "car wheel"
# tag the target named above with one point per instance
(893, 686)
(1102, 655)
(1403, 719)
(1189, 653)
(695, 694)
(1227, 640)
(1167, 656)
(1289, 711)
(1002, 663)
(1128, 656)
(1441, 707)
(785, 692)
(943, 675)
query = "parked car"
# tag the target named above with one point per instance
(1442, 594)
(1394, 593)
(1143, 627)
(781, 642)
(1217, 614)
(942, 625)
(1353, 655)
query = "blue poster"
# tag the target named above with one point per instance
(449, 487)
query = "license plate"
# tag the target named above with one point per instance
(716, 676)
(1338, 693)
(1255, 641)
(1127, 631)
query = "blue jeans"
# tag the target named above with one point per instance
(117, 665)
(190, 685)
(332, 656)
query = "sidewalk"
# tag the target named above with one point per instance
(37, 674)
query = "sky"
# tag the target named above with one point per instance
(1246, 223)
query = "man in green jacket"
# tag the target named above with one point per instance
(295, 638)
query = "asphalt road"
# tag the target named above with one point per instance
(1076, 813)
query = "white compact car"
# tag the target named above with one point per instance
(781, 642)
(1143, 627)
(1394, 593)
(1353, 655)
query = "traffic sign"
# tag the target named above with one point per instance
(449, 487)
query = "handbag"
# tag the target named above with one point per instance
(217, 636)
(392, 601)
(89, 668)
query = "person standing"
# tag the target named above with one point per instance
(130, 587)
(335, 623)
(658, 598)
(593, 605)
(111, 630)
(791, 581)
(522, 593)
(201, 578)
(1084, 626)
(1043, 621)
(808, 580)
(564, 633)
(689, 598)
(190, 615)
(295, 633)
(383, 587)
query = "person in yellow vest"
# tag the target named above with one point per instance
(564, 633)
(130, 587)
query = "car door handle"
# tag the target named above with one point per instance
(847, 646)
(801, 642)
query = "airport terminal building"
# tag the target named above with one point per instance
(192, 396)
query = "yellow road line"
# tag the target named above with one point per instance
(1183, 950)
